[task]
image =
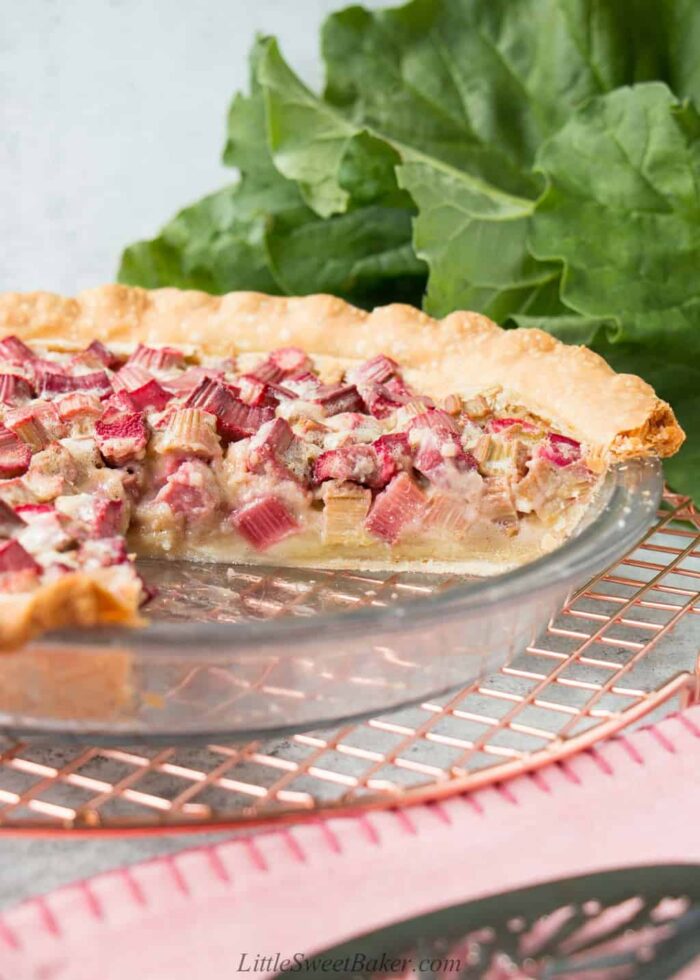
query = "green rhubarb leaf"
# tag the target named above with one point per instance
(206, 246)
(466, 91)
(474, 238)
(364, 256)
(622, 215)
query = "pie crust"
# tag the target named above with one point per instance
(568, 389)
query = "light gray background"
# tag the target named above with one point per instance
(112, 117)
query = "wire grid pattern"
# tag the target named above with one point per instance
(574, 686)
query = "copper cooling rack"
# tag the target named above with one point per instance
(622, 647)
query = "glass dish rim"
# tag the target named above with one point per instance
(631, 495)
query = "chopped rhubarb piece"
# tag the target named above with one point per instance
(28, 511)
(15, 455)
(10, 520)
(14, 390)
(498, 425)
(151, 395)
(477, 407)
(211, 395)
(356, 463)
(14, 558)
(377, 371)
(393, 455)
(264, 522)
(434, 420)
(438, 452)
(507, 457)
(103, 354)
(339, 398)
(442, 462)
(191, 491)
(191, 431)
(16, 492)
(79, 405)
(396, 509)
(275, 448)
(157, 358)
(271, 440)
(255, 392)
(344, 513)
(182, 384)
(239, 420)
(121, 437)
(29, 429)
(102, 553)
(130, 377)
(109, 518)
(51, 384)
(13, 349)
(44, 412)
(118, 403)
(560, 450)
(449, 514)
(52, 472)
(287, 362)
(46, 531)
(234, 419)
(498, 506)
(380, 402)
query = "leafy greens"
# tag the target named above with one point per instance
(537, 160)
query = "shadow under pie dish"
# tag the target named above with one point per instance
(249, 429)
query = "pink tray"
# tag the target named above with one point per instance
(634, 800)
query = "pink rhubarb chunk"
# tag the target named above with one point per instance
(15, 455)
(378, 370)
(498, 425)
(10, 521)
(13, 349)
(183, 384)
(14, 390)
(560, 450)
(335, 399)
(357, 463)
(234, 419)
(393, 455)
(157, 358)
(102, 552)
(51, 384)
(287, 362)
(395, 509)
(121, 437)
(264, 522)
(108, 518)
(189, 491)
(103, 354)
(150, 395)
(13, 558)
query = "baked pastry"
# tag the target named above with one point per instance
(249, 428)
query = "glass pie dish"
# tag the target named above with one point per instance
(245, 651)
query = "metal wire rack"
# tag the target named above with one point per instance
(608, 659)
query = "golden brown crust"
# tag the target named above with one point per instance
(85, 683)
(616, 415)
(74, 600)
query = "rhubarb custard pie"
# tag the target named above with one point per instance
(248, 428)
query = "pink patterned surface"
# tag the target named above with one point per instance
(634, 800)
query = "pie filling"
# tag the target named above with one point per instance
(274, 458)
